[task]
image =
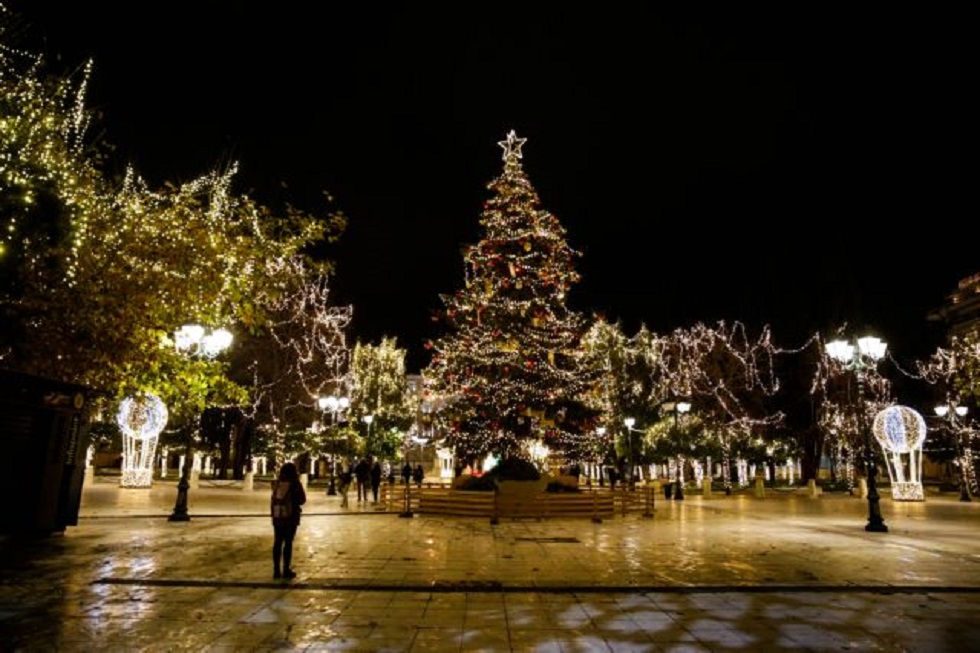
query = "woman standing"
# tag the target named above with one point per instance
(287, 497)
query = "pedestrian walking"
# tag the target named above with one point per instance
(613, 476)
(406, 473)
(375, 479)
(362, 476)
(288, 496)
(418, 475)
(345, 480)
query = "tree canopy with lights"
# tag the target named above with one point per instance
(97, 272)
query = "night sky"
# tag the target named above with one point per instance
(797, 170)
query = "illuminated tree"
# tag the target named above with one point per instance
(955, 373)
(606, 349)
(511, 359)
(381, 390)
(96, 274)
(297, 355)
(729, 378)
(628, 387)
(839, 415)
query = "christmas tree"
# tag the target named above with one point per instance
(510, 362)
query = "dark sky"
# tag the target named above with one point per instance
(796, 170)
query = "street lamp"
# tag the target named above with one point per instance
(367, 420)
(334, 404)
(679, 408)
(957, 411)
(866, 354)
(629, 422)
(195, 341)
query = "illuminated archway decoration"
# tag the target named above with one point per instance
(141, 419)
(901, 432)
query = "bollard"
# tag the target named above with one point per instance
(811, 488)
(706, 487)
(863, 488)
(648, 501)
(180, 507)
(407, 511)
(760, 487)
(249, 483)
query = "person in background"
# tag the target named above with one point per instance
(418, 475)
(287, 497)
(406, 473)
(362, 476)
(346, 477)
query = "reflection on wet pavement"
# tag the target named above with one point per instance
(731, 573)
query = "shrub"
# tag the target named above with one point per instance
(558, 486)
(511, 469)
(515, 469)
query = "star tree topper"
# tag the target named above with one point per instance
(512, 146)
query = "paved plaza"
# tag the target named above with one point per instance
(725, 573)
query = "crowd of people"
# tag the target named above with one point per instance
(367, 475)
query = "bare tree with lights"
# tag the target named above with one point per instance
(728, 377)
(298, 355)
(511, 358)
(840, 414)
(955, 372)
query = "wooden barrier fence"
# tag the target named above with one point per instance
(595, 503)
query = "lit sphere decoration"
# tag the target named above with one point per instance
(899, 429)
(142, 417)
(901, 432)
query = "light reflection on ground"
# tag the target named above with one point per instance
(732, 573)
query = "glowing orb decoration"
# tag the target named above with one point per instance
(900, 429)
(901, 432)
(141, 419)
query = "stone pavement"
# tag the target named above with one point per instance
(786, 572)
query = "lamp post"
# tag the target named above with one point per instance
(952, 411)
(195, 341)
(629, 422)
(679, 408)
(335, 404)
(866, 354)
(367, 420)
